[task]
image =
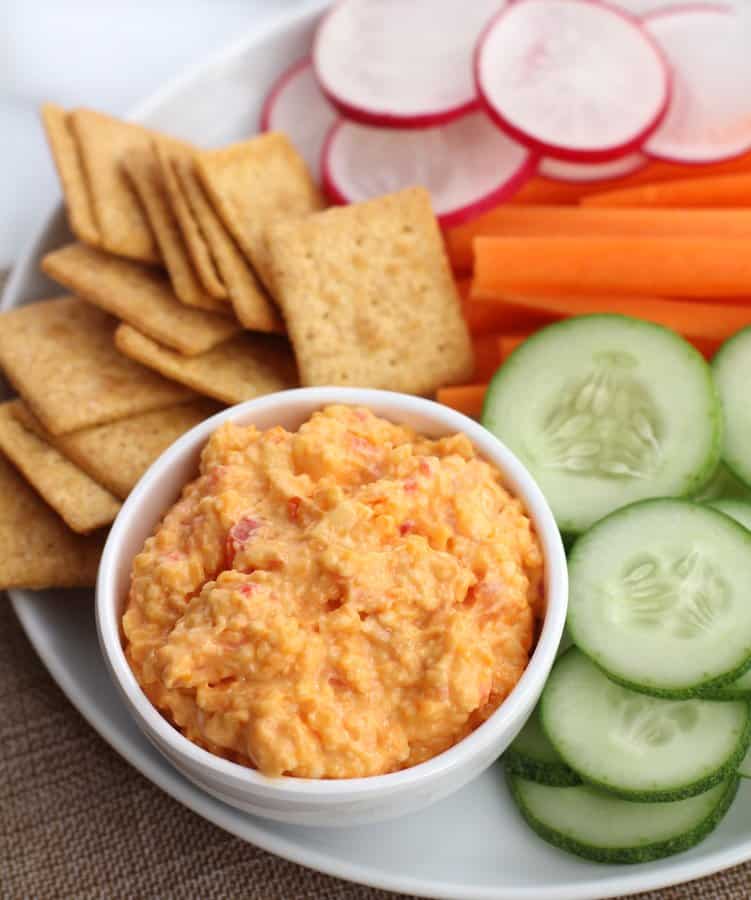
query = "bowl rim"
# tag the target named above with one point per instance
(513, 710)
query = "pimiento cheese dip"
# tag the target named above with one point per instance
(345, 600)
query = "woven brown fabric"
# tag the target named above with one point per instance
(76, 821)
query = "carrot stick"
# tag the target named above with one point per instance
(548, 190)
(465, 398)
(720, 191)
(706, 322)
(507, 343)
(463, 288)
(678, 267)
(706, 346)
(574, 221)
(485, 316)
(492, 349)
(487, 356)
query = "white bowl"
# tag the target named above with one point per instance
(310, 801)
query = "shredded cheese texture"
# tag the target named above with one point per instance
(347, 600)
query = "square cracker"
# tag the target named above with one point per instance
(244, 367)
(368, 296)
(60, 356)
(195, 241)
(142, 167)
(102, 142)
(252, 304)
(255, 183)
(37, 549)
(116, 455)
(139, 295)
(70, 172)
(83, 504)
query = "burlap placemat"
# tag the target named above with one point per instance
(78, 823)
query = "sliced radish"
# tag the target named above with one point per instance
(468, 165)
(644, 7)
(575, 79)
(710, 113)
(401, 63)
(296, 106)
(560, 170)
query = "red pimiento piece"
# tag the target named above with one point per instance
(238, 535)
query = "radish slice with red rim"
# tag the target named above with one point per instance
(401, 63)
(468, 165)
(575, 79)
(710, 113)
(645, 7)
(296, 106)
(560, 170)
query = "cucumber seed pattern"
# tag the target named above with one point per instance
(685, 596)
(643, 723)
(605, 423)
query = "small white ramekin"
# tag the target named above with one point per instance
(308, 801)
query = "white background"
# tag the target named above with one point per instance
(98, 53)
(107, 54)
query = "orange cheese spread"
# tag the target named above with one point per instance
(346, 600)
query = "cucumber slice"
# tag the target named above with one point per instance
(605, 410)
(744, 769)
(531, 755)
(658, 597)
(732, 367)
(565, 643)
(722, 484)
(635, 746)
(740, 689)
(740, 510)
(597, 826)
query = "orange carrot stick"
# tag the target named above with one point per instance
(575, 221)
(548, 190)
(485, 316)
(706, 346)
(507, 343)
(487, 356)
(720, 191)
(465, 398)
(678, 267)
(463, 288)
(491, 350)
(706, 322)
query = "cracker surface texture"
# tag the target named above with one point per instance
(117, 455)
(143, 170)
(170, 158)
(138, 294)
(37, 549)
(252, 304)
(102, 142)
(82, 503)
(242, 368)
(255, 183)
(69, 167)
(368, 296)
(60, 356)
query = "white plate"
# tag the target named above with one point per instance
(472, 846)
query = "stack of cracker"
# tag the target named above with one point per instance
(198, 276)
